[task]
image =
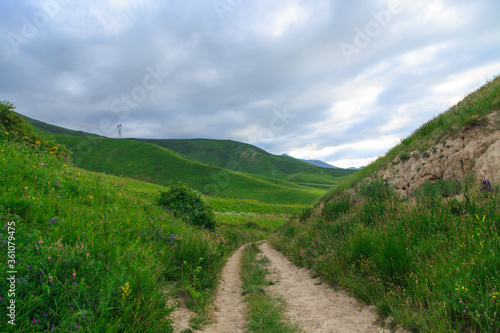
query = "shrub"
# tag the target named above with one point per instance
(404, 156)
(187, 203)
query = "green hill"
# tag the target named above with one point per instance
(95, 253)
(155, 164)
(244, 157)
(428, 259)
(214, 167)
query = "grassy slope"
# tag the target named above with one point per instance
(88, 248)
(235, 156)
(155, 164)
(247, 158)
(430, 261)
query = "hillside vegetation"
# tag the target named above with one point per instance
(429, 258)
(243, 157)
(93, 252)
(155, 164)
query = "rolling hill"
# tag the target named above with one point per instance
(244, 157)
(214, 167)
(155, 164)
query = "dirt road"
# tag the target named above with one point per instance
(316, 307)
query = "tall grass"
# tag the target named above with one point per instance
(429, 261)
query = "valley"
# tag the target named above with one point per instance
(97, 250)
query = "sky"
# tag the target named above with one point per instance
(339, 81)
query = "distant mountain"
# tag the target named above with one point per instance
(315, 162)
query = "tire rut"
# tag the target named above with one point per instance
(317, 308)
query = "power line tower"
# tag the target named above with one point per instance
(119, 127)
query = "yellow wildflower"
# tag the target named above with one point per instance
(126, 290)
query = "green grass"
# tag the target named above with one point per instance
(265, 311)
(250, 159)
(95, 252)
(155, 164)
(81, 236)
(430, 261)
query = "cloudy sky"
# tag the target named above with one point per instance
(340, 81)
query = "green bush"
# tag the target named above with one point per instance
(404, 156)
(187, 203)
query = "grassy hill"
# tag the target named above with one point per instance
(247, 158)
(429, 260)
(94, 252)
(155, 164)
(214, 167)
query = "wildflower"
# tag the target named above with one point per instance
(91, 197)
(74, 274)
(48, 258)
(54, 220)
(51, 278)
(37, 142)
(126, 290)
(87, 254)
(40, 241)
(73, 283)
(65, 165)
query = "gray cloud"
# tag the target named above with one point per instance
(82, 65)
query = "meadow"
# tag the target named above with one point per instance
(95, 252)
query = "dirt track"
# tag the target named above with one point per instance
(316, 307)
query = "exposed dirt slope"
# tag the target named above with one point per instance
(473, 150)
